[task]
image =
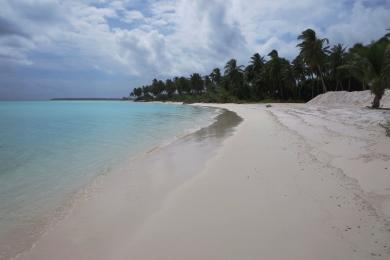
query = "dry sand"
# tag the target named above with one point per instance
(354, 98)
(292, 182)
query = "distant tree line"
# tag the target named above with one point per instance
(318, 68)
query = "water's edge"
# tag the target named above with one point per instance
(219, 128)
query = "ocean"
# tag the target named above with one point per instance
(51, 149)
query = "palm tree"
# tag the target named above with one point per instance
(279, 74)
(208, 84)
(231, 67)
(170, 87)
(367, 65)
(234, 78)
(314, 52)
(336, 60)
(288, 84)
(196, 82)
(253, 73)
(137, 92)
(146, 91)
(371, 64)
(182, 85)
(155, 88)
(273, 73)
(215, 76)
(299, 71)
(257, 62)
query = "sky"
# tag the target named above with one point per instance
(105, 48)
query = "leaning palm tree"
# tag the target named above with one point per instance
(371, 64)
(314, 52)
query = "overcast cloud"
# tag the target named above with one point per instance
(52, 48)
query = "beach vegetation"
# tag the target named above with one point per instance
(319, 67)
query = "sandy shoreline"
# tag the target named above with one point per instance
(135, 189)
(292, 182)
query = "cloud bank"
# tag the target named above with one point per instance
(57, 46)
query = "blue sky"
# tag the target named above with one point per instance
(104, 48)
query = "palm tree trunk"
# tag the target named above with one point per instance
(349, 84)
(324, 89)
(299, 91)
(312, 90)
(312, 86)
(376, 101)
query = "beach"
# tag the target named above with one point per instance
(290, 181)
(194, 130)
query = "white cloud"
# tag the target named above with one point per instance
(360, 24)
(130, 16)
(168, 37)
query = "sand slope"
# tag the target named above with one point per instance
(344, 98)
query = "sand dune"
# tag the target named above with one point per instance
(344, 98)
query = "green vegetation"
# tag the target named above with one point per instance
(317, 69)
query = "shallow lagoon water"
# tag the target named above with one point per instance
(49, 150)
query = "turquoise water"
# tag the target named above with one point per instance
(49, 150)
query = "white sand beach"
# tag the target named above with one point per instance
(294, 181)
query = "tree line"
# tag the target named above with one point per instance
(318, 68)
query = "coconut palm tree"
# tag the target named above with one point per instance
(337, 59)
(279, 74)
(137, 92)
(196, 83)
(257, 62)
(273, 70)
(371, 64)
(299, 71)
(215, 76)
(210, 87)
(234, 78)
(231, 67)
(314, 52)
(253, 73)
(367, 65)
(182, 85)
(254, 68)
(170, 87)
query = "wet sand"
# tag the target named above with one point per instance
(115, 205)
(291, 182)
